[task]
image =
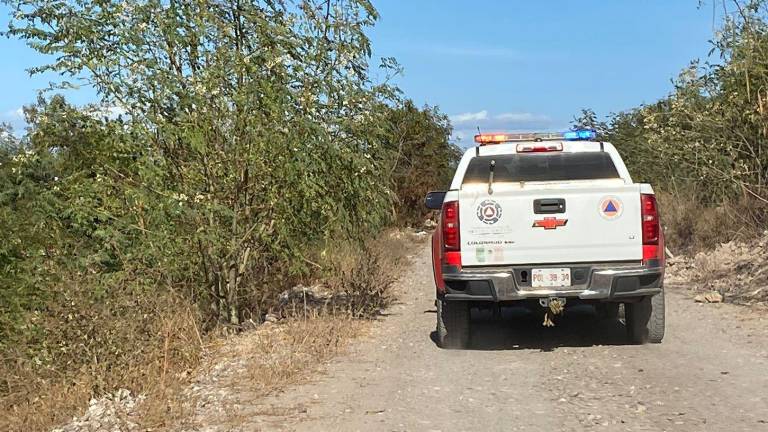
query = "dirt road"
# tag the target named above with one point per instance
(709, 374)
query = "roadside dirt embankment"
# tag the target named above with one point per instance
(734, 272)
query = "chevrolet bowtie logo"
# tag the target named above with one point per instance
(549, 223)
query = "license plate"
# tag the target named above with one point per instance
(551, 277)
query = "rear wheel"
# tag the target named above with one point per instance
(645, 319)
(452, 324)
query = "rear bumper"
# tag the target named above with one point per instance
(603, 281)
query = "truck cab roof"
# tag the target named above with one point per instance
(513, 148)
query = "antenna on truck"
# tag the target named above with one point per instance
(477, 147)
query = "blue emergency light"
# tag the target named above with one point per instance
(580, 135)
(498, 138)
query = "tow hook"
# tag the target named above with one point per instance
(556, 305)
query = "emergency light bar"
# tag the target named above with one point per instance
(577, 135)
(580, 135)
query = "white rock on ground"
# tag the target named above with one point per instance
(111, 412)
(737, 270)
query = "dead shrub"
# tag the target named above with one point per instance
(257, 363)
(364, 275)
(366, 285)
(356, 280)
(90, 343)
(690, 225)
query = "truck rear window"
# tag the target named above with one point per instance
(542, 167)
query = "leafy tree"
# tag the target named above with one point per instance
(235, 142)
(248, 132)
(422, 157)
(8, 142)
(710, 132)
(588, 120)
(51, 210)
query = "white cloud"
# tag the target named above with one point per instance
(18, 113)
(504, 121)
(522, 118)
(466, 124)
(469, 117)
(14, 118)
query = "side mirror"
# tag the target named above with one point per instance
(434, 200)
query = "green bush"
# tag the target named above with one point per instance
(245, 143)
(707, 141)
(421, 157)
(234, 143)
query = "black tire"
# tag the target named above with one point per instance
(607, 311)
(645, 319)
(453, 324)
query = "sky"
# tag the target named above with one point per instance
(500, 65)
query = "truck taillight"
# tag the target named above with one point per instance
(650, 219)
(653, 249)
(450, 218)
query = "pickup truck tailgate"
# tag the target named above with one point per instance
(550, 223)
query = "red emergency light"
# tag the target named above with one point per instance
(539, 147)
(498, 138)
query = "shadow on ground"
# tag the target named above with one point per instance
(519, 329)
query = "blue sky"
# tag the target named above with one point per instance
(500, 65)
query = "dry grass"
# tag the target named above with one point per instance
(244, 368)
(49, 405)
(290, 350)
(277, 355)
(690, 226)
(144, 347)
(391, 248)
(356, 280)
(152, 345)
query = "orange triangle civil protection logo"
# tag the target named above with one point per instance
(610, 207)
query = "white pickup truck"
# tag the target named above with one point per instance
(540, 218)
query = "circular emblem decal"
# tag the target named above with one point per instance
(489, 212)
(611, 207)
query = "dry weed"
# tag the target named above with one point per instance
(146, 349)
(737, 270)
(151, 344)
(253, 364)
(357, 279)
(690, 226)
